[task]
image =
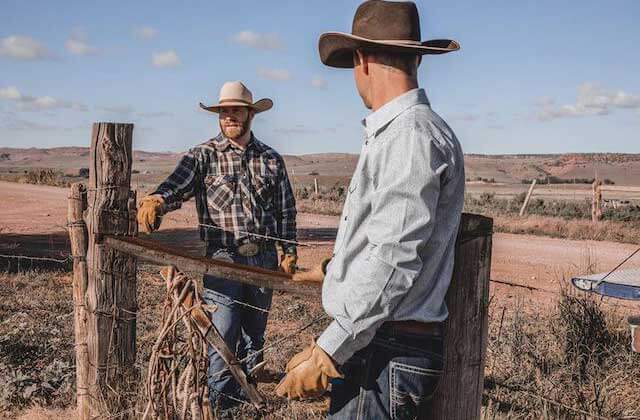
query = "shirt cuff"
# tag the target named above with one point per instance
(170, 203)
(289, 248)
(337, 343)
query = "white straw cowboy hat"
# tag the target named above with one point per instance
(381, 25)
(237, 94)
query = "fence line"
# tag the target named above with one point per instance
(34, 258)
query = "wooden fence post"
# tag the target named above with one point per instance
(528, 197)
(596, 203)
(315, 186)
(634, 325)
(79, 241)
(459, 394)
(111, 302)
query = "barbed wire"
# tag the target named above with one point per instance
(559, 404)
(265, 349)
(34, 258)
(502, 282)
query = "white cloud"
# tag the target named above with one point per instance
(318, 83)
(23, 48)
(77, 44)
(279, 75)
(39, 103)
(10, 92)
(258, 40)
(165, 59)
(592, 99)
(145, 32)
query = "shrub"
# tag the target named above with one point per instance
(45, 177)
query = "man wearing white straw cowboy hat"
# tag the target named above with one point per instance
(245, 204)
(393, 257)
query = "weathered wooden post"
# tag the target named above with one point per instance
(79, 241)
(596, 203)
(634, 325)
(110, 296)
(527, 198)
(459, 394)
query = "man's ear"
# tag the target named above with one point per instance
(363, 59)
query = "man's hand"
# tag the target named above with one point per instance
(288, 263)
(314, 275)
(150, 212)
(308, 374)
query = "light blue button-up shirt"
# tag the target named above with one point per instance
(393, 256)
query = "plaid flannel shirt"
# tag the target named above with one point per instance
(236, 190)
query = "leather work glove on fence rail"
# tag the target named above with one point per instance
(308, 374)
(288, 263)
(150, 211)
(314, 275)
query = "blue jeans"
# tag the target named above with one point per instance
(242, 327)
(394, 377)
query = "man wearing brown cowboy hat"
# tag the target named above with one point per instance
(244, 201)
(393, 257)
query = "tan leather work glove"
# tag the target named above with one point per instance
(315, 275)
(308, 374)
(150, 212)
(288, 263)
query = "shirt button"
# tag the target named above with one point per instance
(345, 217)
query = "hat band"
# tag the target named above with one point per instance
(235, 100)
(398, 41)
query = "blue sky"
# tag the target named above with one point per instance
(531, 77)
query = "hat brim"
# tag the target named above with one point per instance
(336, 48)
(262, 105)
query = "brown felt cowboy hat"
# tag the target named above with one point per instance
(237, 94)
(381, 25)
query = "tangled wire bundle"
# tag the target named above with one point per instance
(177, 376)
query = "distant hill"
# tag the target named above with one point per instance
(623, 169)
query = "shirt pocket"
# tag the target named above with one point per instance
(264, 188)
(220, 191)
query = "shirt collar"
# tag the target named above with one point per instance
(379, 119)
(221, 143)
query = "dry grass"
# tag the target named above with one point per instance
(319, 206)
(39, 413)
(540, 364)
(573, 361)
(36, 344)
(605, 230)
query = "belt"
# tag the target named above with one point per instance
(246, 248)
(413, 327)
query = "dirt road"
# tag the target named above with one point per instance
(34, 211)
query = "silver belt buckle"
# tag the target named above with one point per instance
(248, 249)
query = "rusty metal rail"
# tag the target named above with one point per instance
(163, 255)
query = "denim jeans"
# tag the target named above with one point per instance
(242, 327)
(394, 377)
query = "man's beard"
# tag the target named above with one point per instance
(235, 133)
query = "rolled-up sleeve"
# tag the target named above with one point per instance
(403, 206)
(180, 184)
